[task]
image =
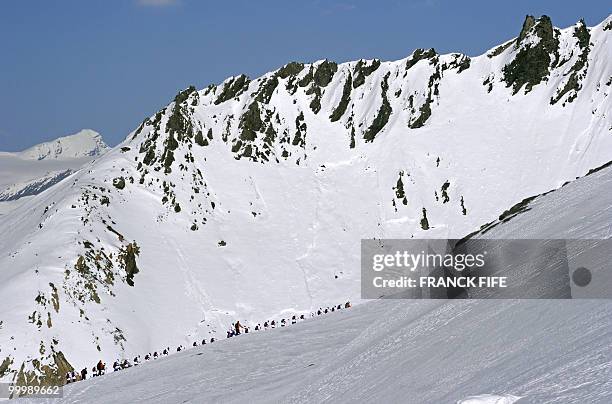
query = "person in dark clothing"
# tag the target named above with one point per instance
(83, 373)
(94, 372)
(237, 327)
(204, 341)
(319, 312)
(283, 322)
(68, 377)
(101, 368)
(347, 305)
(302, 317)
(195, 343)
(212, 340)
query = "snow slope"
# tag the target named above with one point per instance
(469, 351)
(33, 187)
(249, 199)
(581, 209)
(391, 352)
(31, 171)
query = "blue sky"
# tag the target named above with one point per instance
(105, 65)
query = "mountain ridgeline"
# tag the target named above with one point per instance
(255, 128)
(247, 200)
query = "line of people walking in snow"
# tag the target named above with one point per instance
(236, 329)
(98, 370)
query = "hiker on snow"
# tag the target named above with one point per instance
(101, 368)
(238, 326)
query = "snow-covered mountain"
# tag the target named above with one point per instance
(432, 351)
(249, 199)
(85, 143)
(27, 173)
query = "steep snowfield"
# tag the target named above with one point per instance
(248, 200)
(390, 352)
(582, 209)
(31, 171)
(474, 351)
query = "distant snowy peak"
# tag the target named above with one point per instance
(32, 171)
(85, 143)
